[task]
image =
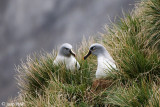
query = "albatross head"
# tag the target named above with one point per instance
(96, 49)
(66, 50)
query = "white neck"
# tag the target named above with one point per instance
(105, 64)
(105, 55)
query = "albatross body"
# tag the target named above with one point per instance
(105, 61)
(66, 56)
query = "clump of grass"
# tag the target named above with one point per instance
(33, 76)
(133, 43)
(135, 49)
(150, 15)
(135, 95)
(127, 44)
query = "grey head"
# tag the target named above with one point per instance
(97, 50)
(66, 50)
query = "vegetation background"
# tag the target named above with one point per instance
(134, 43)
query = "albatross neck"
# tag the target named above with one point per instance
(105, 55)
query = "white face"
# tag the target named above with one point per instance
(66, 50)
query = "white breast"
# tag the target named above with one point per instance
(70, 62)
(104, 65)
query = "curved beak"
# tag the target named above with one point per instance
(89, 53)
(72, 53)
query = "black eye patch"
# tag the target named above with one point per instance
(93, 48)
(66, 48)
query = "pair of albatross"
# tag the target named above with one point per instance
(67, 56)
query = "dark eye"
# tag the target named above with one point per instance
(66, 48)
(93, 48)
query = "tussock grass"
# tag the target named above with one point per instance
(134, 44)
(135, 95)
(131, 47)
